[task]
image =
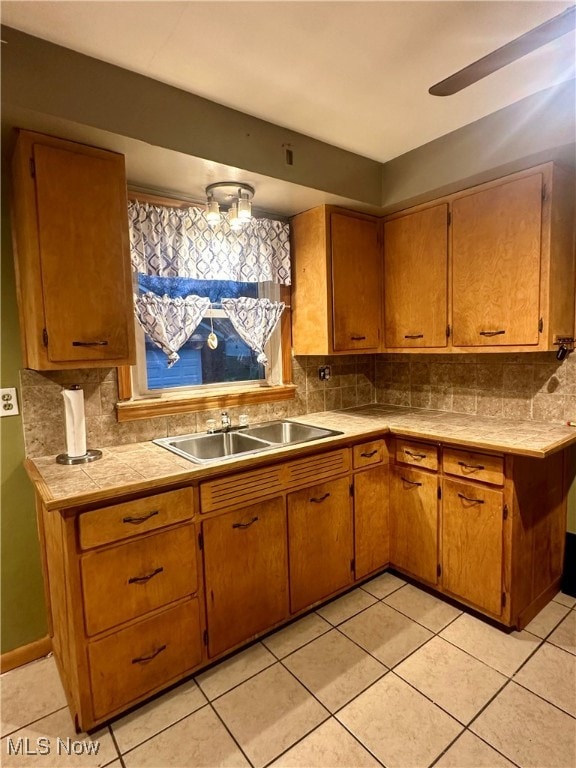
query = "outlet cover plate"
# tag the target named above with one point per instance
(9, 402)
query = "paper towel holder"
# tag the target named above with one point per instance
(90, 455)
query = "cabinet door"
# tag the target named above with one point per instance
(246, 572)
(496, 265)
(371, 520)
(356, 283)
(416, 279)
(472, 544)
(320, 541)
(82, 232)
(414, 523)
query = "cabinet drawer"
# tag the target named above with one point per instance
(474, 466)
(418, 454)
(368, 453)
(141, 575)
(120, 521)
(128, 664)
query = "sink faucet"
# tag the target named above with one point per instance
(225, 423)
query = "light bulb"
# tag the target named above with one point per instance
(244, 209)
(233, 219)
(213, 212)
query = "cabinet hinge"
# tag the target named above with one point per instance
(439, 492)
(544, 192)
(503, 601)
(448, 331)
(352, 564)
(352, 490)
(32, 166)
(449, 218)
(44, 337)
(205, 637)
(200, 541)
(505, 512)
(438, 570)
(540, 325)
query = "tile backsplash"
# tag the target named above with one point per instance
(513, 386)
(522, 386)
(351, 383)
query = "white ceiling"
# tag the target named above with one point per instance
(353, 74)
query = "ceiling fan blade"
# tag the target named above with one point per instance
(515, 49)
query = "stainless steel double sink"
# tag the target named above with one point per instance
(206, 448)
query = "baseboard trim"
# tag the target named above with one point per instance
(25, 653)
(569, 577)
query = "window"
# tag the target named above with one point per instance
(201, 346)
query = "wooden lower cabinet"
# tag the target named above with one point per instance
(246, 571)
(371, 520)
(473, 544)
(414, 523)
(320, 539)
(144, 657)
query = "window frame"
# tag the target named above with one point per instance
(130, 406)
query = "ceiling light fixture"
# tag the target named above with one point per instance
(236, 196)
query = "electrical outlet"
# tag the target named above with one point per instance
(8, 402)
(324, 372)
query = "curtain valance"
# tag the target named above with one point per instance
(177, 242)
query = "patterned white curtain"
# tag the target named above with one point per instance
(170, 322)
(254, 320)
(172, 242)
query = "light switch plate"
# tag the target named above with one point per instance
(8, 402)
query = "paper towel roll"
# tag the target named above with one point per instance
(75, 422)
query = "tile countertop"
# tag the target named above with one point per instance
(145, 466)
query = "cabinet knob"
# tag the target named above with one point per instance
(414, 336)
(369, 454)
(89, 343)
(357, 338)
(492, 333)
(414, 455)
(471, 467)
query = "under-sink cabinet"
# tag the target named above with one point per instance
(147, 589)
(246, 572)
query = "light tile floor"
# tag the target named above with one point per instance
(387, 675)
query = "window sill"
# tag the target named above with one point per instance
(170, 405)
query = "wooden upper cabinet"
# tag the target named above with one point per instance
(336, 294)
(70, 228)
(496, 236)
(416, 279)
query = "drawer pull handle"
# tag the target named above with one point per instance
(471, 467)
(472, 501)
(415, 455)
(245, 525)
(369, 454)
(138, 520)
(319, 499)
(144, 579)
(414, 336)
(357, 338)
(146, 659)
(410, 482)
(89, 343)
(492, 333)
